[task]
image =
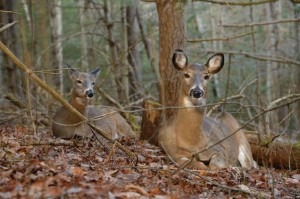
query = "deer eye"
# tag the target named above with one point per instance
(93, 83)
(186, 75)
(79, 82)
(206, 76)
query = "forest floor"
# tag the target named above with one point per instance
(43, 167)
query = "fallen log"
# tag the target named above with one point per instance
(282, 153)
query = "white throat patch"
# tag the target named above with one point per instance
(187, 102)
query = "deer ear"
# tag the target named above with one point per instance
(179, 59)
(72, 72)
(215, 63)
(95, 72)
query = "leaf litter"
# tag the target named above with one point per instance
(31, 168)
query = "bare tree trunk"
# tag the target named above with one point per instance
(124, 44)
(113, 48)
(272, 67)
(216, 86)
(171, 37)
(84, 57)
(135, 74)
(145, 41)
(297, 56)
(10, 38)
(56, 34)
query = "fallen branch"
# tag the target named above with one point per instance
(59, 98)
(50, 143)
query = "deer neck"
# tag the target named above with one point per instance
(80, 105)
(190, 120)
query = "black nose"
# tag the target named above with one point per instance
(196, 93)
(90, 93)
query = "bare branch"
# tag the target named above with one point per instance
(222, 39)
(261, 23)
(260, 57)
(7, 26)
(237, 3)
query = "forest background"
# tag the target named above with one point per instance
(260, 40)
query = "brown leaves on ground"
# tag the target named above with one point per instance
(43, 167)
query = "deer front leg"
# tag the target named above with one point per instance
(186, 160)
(217, 161)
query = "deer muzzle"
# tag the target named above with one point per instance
(196, 93)
(89, 93)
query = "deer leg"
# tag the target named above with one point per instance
(217, 161)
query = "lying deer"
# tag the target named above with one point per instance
(190, 131)
(66, 124)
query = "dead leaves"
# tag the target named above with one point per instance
(65, 170)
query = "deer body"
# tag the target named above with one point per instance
(189, 132)
(67, 125)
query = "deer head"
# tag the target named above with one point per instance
(195, 77)
(83, 84)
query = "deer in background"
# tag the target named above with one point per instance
(66, 125)
(190, 131)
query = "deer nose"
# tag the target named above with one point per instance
(196, 92)
(89, 93)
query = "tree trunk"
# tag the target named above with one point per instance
(215, 79)
(124, 50)
(297, 56)
(117, 73)
(135, 74)
(272, 67)
(10, 37)
(56, 34)
(84, 54)
(151, 121)
(171, 37)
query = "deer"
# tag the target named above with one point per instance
(67, 125)
(189, 137)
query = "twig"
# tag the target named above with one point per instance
(259, 57)
(261, 23)
(109, 98)
(237, 3)
(7, 26)
(15, 101)
(221, 39)
(223, 101)
(58, 97)
(225, 2)
(256, 193)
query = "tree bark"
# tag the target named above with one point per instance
(151, 121)
(171, 37)
(135, 74)
(84, 54)
(10, 36)
(117, 72)
(297, 56)
(56, 34)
